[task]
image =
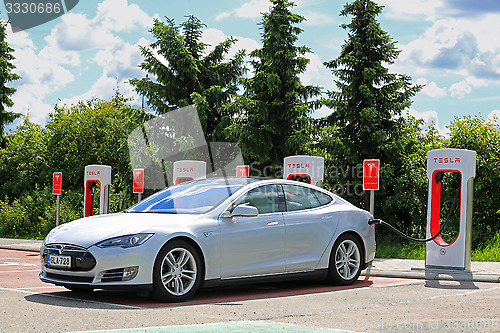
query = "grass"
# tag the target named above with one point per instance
(489, 252)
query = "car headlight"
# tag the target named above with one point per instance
(125, 241)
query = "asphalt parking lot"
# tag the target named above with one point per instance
(373, 304)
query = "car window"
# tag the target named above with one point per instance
(190, 198)
(323, 198)
(300, 198)
(264, 198)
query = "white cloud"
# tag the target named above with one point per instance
(216, 36)
(118, 15)
(316, 73)
(104, 88)
(411, 10)
(458, 46)
(78, 38)
(464, 87)
(460, 89)
(322, 112)
(39, 74)
(249, 10)
(430, 118)
(494, 117)
(123, 67)
(316, 18)
(431, 89)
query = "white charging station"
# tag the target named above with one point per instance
(187, 170)
(96, 174)
(303, 167)
(438, 252)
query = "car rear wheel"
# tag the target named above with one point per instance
(177, 272)
(346, 261)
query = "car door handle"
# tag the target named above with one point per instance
(327, 217)
(273, 223)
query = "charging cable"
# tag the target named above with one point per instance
(379, 221)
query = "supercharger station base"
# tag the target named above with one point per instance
(441, 256)
(96, 174)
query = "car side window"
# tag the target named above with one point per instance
(323, 198)
(264, 198)
(300, 198)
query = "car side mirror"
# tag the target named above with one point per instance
(243, 210)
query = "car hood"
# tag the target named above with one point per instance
(88, 231)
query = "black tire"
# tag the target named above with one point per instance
(177, 273)
(346, 261)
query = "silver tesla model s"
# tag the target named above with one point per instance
(210, 232)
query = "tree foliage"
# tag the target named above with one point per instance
(91, 132)
(369, 97)
(367, 106)
(185, 73)
(274, 109)
(474, 133)
(6, 76)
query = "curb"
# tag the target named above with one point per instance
(443, 276)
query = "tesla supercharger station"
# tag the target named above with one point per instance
(189, 170)
(439, 253)
(96, 175)
(302, 167)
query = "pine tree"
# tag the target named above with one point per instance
(184, 74)
(274, 107)
(369, 98)
(6, 75)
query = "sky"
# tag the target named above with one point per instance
(451, 46)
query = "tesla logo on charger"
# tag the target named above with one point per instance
(185, 169)
(371, 174)
(446, 160)
(298, 166)
(93, 173)
(57, 183)
(242, 170)
(138, 180)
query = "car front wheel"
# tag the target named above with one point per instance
(177, 272)
(346, 261)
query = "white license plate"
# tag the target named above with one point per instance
(59, 261)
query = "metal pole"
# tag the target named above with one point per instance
(139, 196)
(57, 210)
(372, 202)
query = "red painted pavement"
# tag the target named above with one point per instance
(19, 271)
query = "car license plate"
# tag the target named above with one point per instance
(59, 261)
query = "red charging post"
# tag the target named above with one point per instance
(139, 183)
(371, 170)
(242, 171)
(57, 190)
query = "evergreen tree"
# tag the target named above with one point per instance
(369, 97)
(367, 121)
(274, 120)
(184, 74)
(6, 75)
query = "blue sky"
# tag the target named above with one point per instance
(451, 46)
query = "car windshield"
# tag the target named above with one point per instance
(191, 198)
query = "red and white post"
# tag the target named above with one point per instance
(56, 190)
(371, 170)
(139, 183)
